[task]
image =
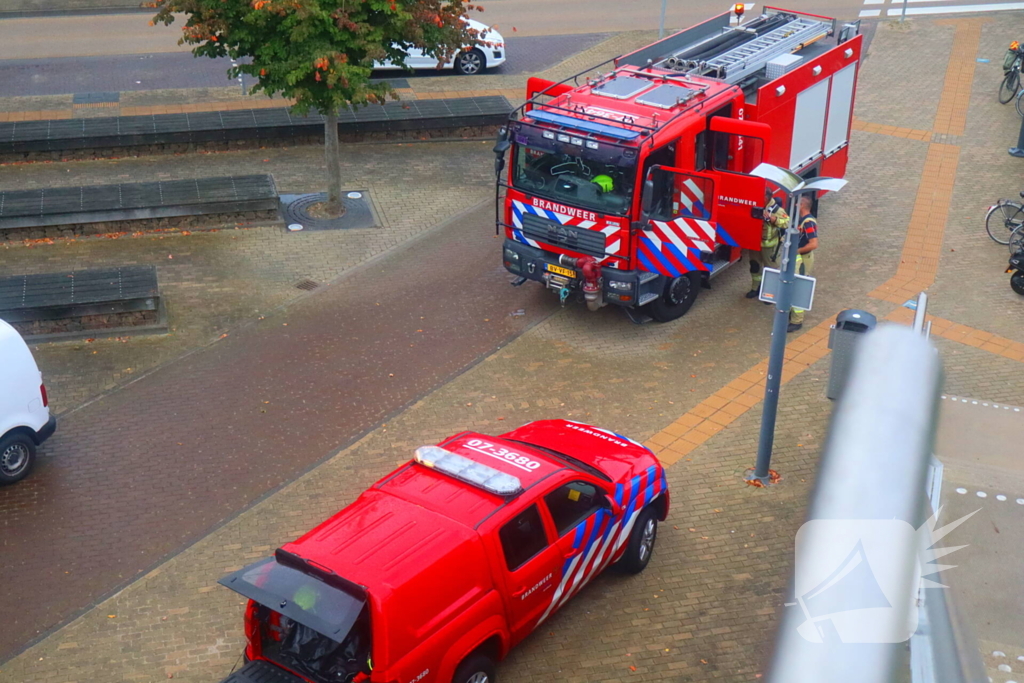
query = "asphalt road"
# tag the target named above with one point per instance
(164, 70)
(123, 34)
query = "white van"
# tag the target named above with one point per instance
(25, 420)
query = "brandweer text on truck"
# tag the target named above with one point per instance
(635, 189)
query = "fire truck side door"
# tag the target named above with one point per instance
(679, 230)
(739, 196)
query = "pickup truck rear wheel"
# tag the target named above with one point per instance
(477, 668)
(676, 299)
(641, 542)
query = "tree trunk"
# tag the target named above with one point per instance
(332, 155)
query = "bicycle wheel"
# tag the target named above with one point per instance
(1020, 104)
(1016, 241)
(1011, 82)
(1003, 219)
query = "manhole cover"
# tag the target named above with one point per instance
(308, 285)
(358, 212)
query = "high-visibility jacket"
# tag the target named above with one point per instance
(770, 233)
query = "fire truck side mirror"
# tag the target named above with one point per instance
(648, 196)
(500, 147)
(499, 155)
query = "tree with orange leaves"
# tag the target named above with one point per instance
(321, 52)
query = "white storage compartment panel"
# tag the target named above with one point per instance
(809, 124)
(837, 131)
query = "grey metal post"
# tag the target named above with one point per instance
(795, 186)
(920, 312)
(778, 348)
(661, 26)
(903, 14)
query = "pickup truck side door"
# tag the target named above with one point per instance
(586, 526)
(529, 564)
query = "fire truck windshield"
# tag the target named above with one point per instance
(576, 177)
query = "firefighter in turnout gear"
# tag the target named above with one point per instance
(776, 220)
(805, 253)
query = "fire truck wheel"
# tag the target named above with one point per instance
(676, 299)
(641, 542)
(470, 62)
(476, 668)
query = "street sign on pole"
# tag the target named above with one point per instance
(771, 288)
(795, 186)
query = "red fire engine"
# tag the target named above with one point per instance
(633, 188)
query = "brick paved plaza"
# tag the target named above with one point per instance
(928, 156)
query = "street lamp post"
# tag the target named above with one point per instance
(795, 187)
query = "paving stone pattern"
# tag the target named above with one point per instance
(705, 608)
(213, 280)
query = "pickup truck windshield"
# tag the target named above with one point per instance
(575, 179)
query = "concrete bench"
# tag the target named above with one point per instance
(84, 301)
(131, 205)
(117, 132)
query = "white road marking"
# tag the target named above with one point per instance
(957, 9)
(869, 13)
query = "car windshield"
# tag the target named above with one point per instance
(576, 177)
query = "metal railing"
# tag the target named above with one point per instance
(876, 466)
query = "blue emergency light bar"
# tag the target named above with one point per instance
(587, 126)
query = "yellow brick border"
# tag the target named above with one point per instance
(962, 334)
(721, 408)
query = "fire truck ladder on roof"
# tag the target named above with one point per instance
(752, 56)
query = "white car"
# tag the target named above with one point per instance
(473, 60)
(25, 420)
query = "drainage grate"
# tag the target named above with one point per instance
(308, 285)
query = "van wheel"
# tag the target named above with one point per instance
(641, 542)
(477, 668)
(676, 299)
(17, 454)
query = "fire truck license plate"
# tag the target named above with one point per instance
(559, 270)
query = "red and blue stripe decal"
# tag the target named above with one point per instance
(600, 537)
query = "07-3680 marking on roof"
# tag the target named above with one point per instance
(511, 457)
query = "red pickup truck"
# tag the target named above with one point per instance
(437, 570)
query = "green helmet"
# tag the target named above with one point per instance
(305, 597)
(605, 182)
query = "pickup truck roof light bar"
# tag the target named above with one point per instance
(469, 471)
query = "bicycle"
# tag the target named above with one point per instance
(1012, 65)
(1003, 219)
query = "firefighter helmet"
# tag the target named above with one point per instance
(605, 182)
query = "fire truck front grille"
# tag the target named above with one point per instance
(590, 242)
